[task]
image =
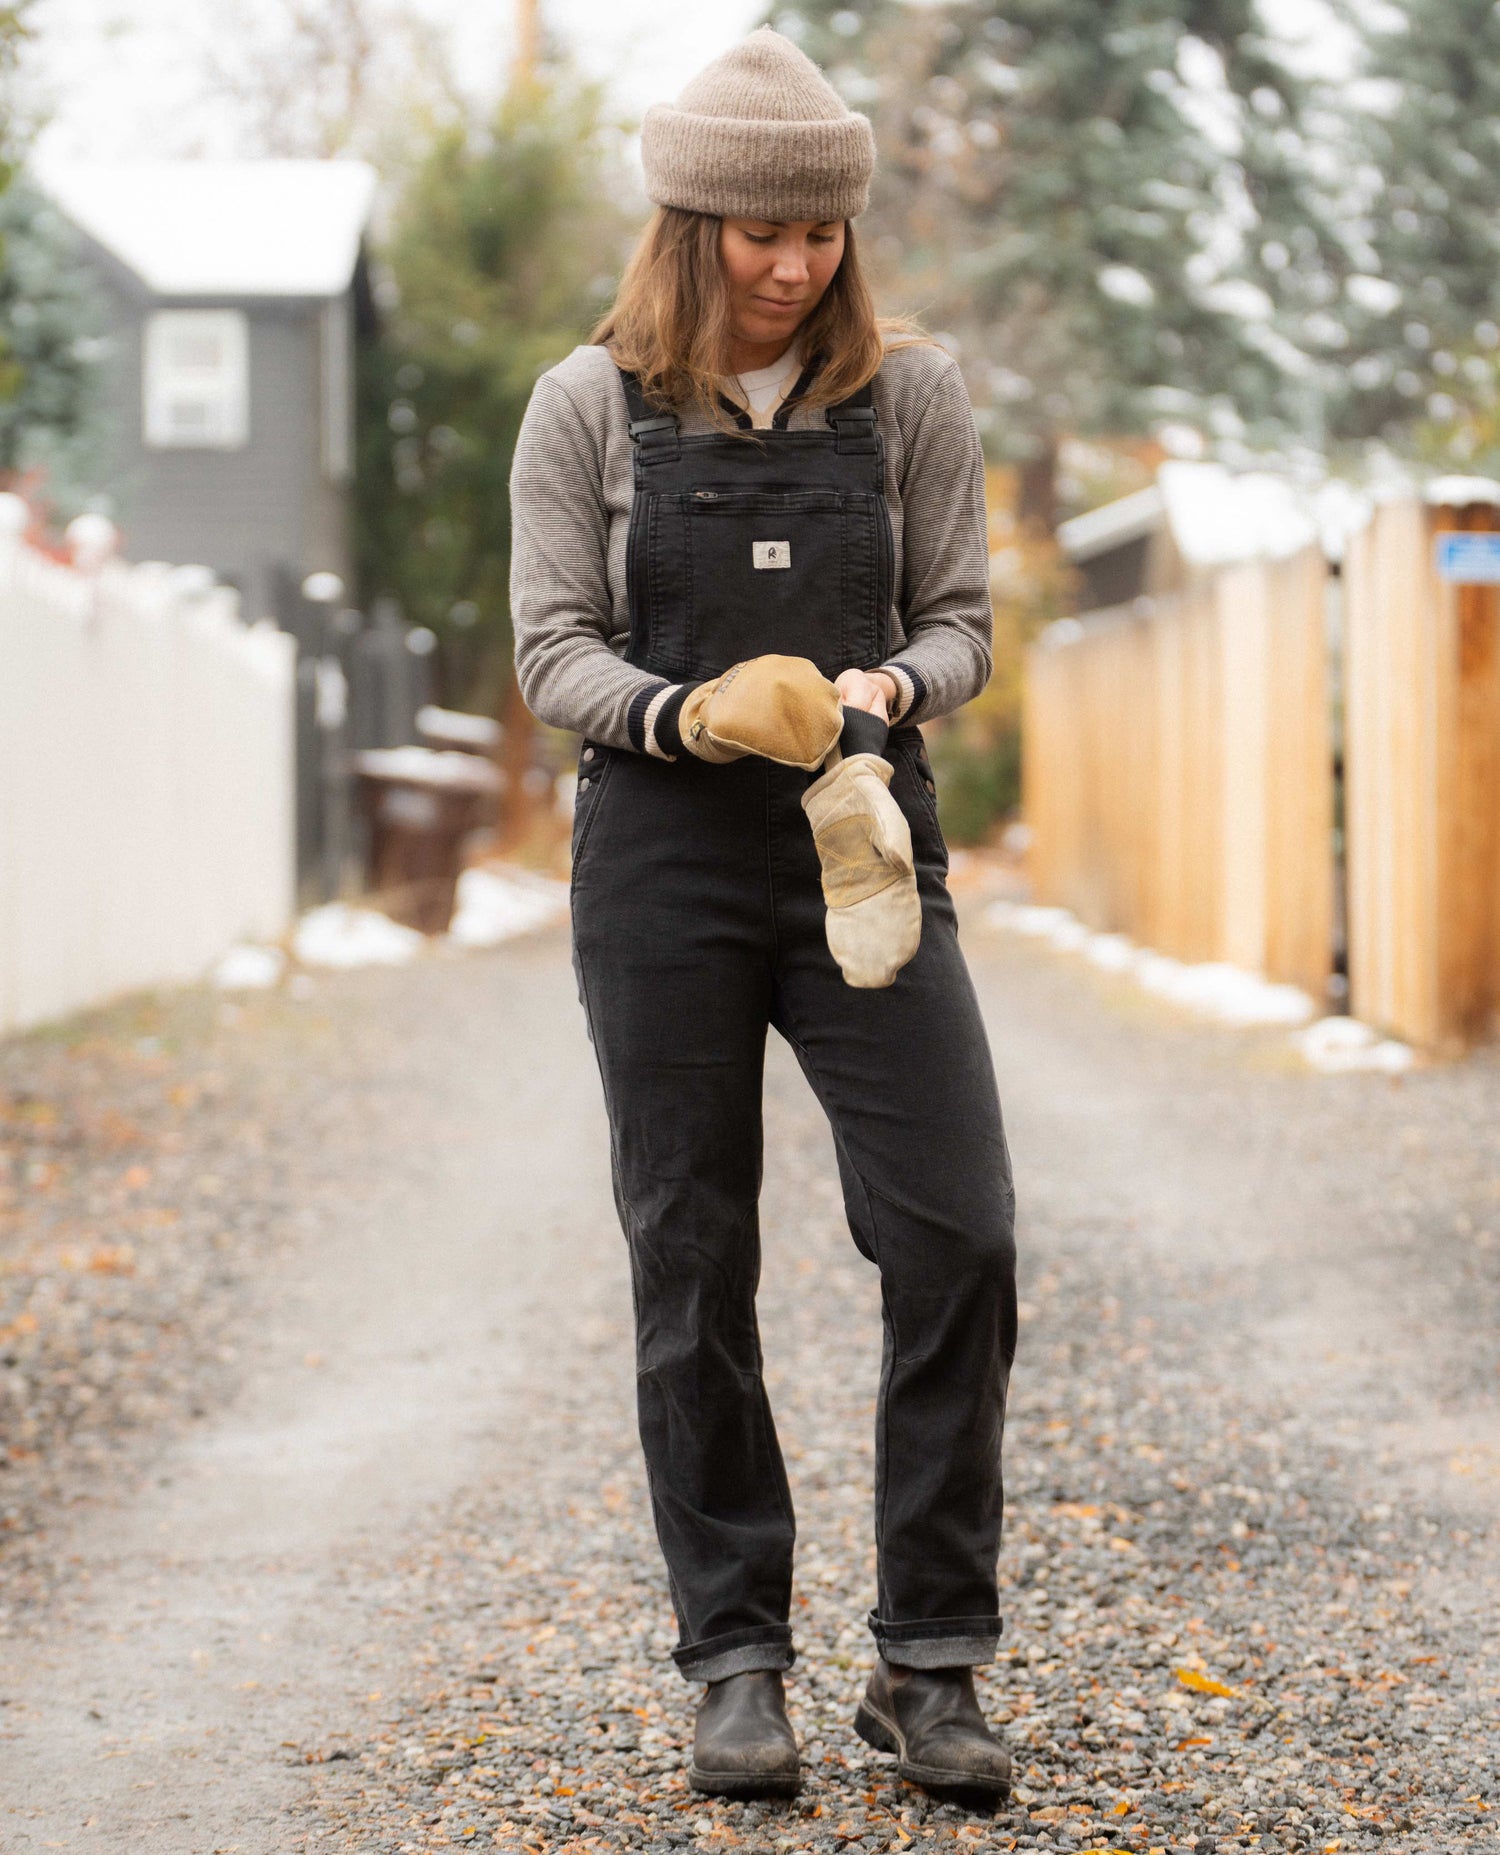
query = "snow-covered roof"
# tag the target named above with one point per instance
(1218, 516)
(1113, 525)
(222, 228)
(1215, 516)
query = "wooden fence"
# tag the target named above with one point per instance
(146, 767)
(1178, 769)
(1423, 778)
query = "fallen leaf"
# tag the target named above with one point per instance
(1203, 1684)
(1183, 1744)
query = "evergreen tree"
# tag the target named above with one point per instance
(1424, 305)
(1109, 204)
(49, 319)
(505, 246)
(50, 330)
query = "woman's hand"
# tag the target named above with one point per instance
(871, 690)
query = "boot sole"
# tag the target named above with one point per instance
(886, 1736)
(745, 1783)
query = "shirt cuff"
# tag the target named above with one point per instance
(911, 689)
(659, 730)
(652, 745)
(642, 704)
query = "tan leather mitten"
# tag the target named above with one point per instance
(782, 708)
(874, 917)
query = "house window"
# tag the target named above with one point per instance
(196, 379)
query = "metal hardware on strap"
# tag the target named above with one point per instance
(643, 428)
(855, 426)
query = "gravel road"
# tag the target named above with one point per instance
(346, 1547)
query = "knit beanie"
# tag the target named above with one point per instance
(760, 134)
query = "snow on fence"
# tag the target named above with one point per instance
(146, 777)
(1422, 681)
(1178, 768)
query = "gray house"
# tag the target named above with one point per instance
(232, 292)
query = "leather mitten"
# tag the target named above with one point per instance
(782, 708)
(874, 919)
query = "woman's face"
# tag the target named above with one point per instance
(777, 274)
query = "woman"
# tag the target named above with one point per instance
(744, 469)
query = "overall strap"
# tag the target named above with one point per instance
(656, 432)
(854, 420)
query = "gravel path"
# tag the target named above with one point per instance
(1250, 1570)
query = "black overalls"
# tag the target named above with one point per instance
(698, 922)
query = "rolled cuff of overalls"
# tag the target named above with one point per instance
(768, 1645)
(939, 1642)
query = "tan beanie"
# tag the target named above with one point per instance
(760, 134)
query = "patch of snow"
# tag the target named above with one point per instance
(1113, 953)
(249, 969)
(1026, 918)
(1339, 1044)
(1341, 511)
(1459, 492)
(1377, 294)
(1126, 285)
(1213, 989)
(458, 727)
(1218, 517)
(492, 908)
(338, 934)
(427, 766)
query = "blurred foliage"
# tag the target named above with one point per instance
(51, 327)
(1426, 292)
(976, 754)
(504, 245)
(13, 33)
(1109, 205)
(50, 317)
(1462, 426)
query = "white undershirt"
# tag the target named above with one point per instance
(764, 389)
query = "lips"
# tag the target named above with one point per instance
(771, 303)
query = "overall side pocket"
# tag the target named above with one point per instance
(594, 766)
(912, 761)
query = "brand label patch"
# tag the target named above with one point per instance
(771, 553)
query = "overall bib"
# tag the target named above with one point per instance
(698, 922)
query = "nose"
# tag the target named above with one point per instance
(790, 265)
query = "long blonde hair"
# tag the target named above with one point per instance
(670, 324)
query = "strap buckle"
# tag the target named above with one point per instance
(643, 428)
(854, 427)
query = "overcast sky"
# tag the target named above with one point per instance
(125, 76)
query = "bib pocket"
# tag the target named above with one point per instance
(728, 574)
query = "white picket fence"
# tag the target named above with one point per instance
(146, 778)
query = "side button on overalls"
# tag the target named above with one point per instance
(698, 924)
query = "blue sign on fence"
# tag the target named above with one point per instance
(1469, 559)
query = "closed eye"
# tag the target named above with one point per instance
(769, 238)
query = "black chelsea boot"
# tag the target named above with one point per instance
(930, 1718)
(743, 1743)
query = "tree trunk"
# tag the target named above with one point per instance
(1036, 497)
